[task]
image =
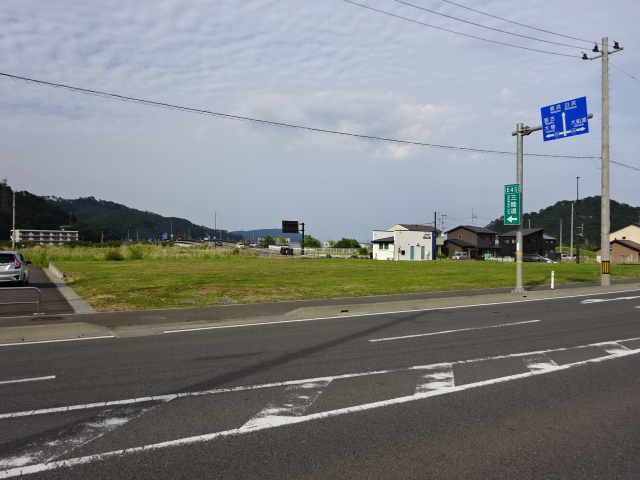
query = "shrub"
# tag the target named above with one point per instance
(113, 255)
(135, 253)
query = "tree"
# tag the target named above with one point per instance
(311, 242)
(265, 241)
(347, 243)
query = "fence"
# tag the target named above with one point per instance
(14, 289)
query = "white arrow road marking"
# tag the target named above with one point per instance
(297, 399)
(600, 300)
(69, 438)
(23, 380)
(540, 363)
(437, 380)
(451, 331)
(613, 348)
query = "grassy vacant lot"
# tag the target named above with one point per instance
(141, 277)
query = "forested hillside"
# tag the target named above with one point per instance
(96, 220)
(588, 216)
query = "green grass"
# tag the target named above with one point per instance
(145, 277)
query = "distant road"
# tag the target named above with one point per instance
(542, 389)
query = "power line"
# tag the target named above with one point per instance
(519, 24)
(627, 74)
(279, 124)
(488, 28)
(460, 33)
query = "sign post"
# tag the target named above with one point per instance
(291, 226)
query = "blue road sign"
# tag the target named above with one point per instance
(565, 119)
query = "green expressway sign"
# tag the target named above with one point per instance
(512, 204)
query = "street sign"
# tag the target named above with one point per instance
(565, 119)
(289, 226)
(512, 204)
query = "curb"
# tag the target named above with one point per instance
(76, 302)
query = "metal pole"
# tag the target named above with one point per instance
(13, 229)
(571, 236)
(605, 255)
(519, 180)
(577, 217)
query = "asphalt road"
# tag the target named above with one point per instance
(536, 389)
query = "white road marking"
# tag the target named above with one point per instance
(101, 337)
(540, 363)
(451, 331)
(22, 380)
(75, 436)
(599, 300)
(613, 348)
(297, 399)
(453, 307)
(437, 380)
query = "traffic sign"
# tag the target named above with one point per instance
(565, 119)
(512, 204)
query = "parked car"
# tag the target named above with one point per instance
(460, 256)
(531, 257)
(14, 268)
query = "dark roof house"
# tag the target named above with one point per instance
(475, 241)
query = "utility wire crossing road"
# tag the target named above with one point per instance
(296, 401)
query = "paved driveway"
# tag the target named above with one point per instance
(52, 302)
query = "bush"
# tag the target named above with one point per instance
(113, 255)
(135, 253)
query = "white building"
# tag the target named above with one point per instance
(405, 242)
(45, 237)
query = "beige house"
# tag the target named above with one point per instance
(625, 244)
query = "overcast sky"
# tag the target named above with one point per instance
(329, 65)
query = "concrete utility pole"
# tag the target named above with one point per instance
(605, 203)
(520, 132)
(13, 224)
(577, 217)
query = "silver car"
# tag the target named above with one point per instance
(14, 268)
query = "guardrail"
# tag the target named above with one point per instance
(12, 289)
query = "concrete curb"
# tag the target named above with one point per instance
(61, 331)
(450, 302)
(76, 302)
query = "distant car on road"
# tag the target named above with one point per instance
(531, 257)
(14, 268)
(460, 256)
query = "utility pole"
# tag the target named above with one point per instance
(13, 227)
(605, 203)
(560, 239)
(520, 133)
(571, 235)
(577, 217)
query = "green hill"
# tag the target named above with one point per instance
(96, 220)
(588, 216)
